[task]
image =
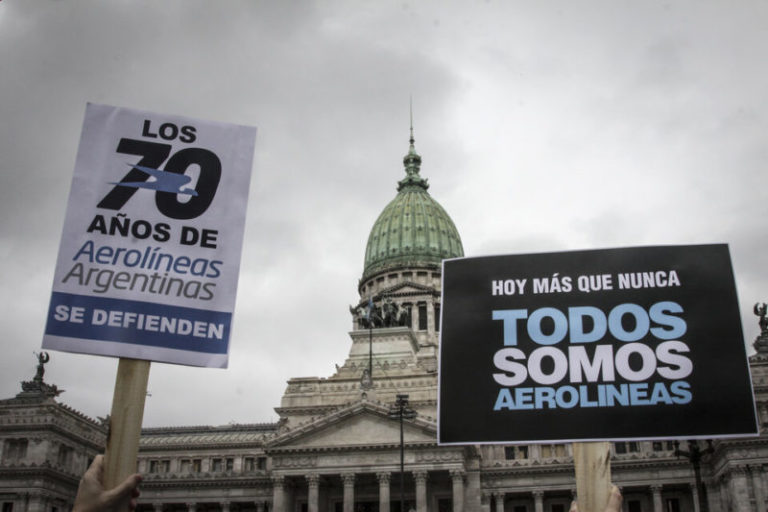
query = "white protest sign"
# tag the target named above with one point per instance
(150, 252)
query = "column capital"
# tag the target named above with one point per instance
(457, 474)
(755, 468)
(348, 478)
(191, 506)
(537, 493)
(739, 469)
(278, 480)
(384, 477)
(157, 505)
(421, 476)
(655, 488)
(499, 495)
(313, 479)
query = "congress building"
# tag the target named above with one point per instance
(337, 444)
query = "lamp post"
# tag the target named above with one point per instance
(694, 454)
(400, 410)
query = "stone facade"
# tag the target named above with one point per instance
(339, 443)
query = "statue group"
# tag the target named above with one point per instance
(389, 314)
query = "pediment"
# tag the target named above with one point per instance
(361, 424)
(406, 288)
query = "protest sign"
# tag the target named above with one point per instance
(150, 252)
(631, 343)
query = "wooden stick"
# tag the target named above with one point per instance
(593, 475)
(125, 421)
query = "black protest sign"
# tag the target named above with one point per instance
(632, 343)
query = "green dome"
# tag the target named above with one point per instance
(413, 230)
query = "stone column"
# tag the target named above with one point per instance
(313, 483)
(157, 506)
(278, 493)
(384, 479)
(658, 506)
(695, 497)
(259, 506)
(757, 484)
(224, 506)
(538, 500)
(498, 498)
(739, 489)
(191, 506)
(349, 491)
(485, 502)
(421, 490)
(457, 479)
(713, 495)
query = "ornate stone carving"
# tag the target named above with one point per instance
(308, 461)
(420, 476)
(384, 478)
(438, 456)
(313, 480)
(761, 342)
(348, 478)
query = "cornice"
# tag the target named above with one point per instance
(417, 445)
(145, 449)
(53, 427)
(208, 429)
(44, 471)
(205, 480)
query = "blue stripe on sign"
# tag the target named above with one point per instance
(139, 323)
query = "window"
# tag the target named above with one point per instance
(185, 466)
(15, 450)
(64, 458)
(658, 446)
(634, 506)
(249, 464)
(515, 452)
(216, 465)
(197, 465)
(230, 464)
(422, 316)
(8, 506)
(620, 447)
(552, 450)
(558, 507)
(437, 317)
(165, 466)
(261, 463)
(153, 466)
(633, 447)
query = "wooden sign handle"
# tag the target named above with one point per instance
(125, 421)
(593, 475)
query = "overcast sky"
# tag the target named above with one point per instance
(543, 126)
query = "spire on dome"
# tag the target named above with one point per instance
(412, 162)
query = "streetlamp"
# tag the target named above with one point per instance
(694, 454)
(400, 410)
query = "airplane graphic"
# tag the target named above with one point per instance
(162, 181)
